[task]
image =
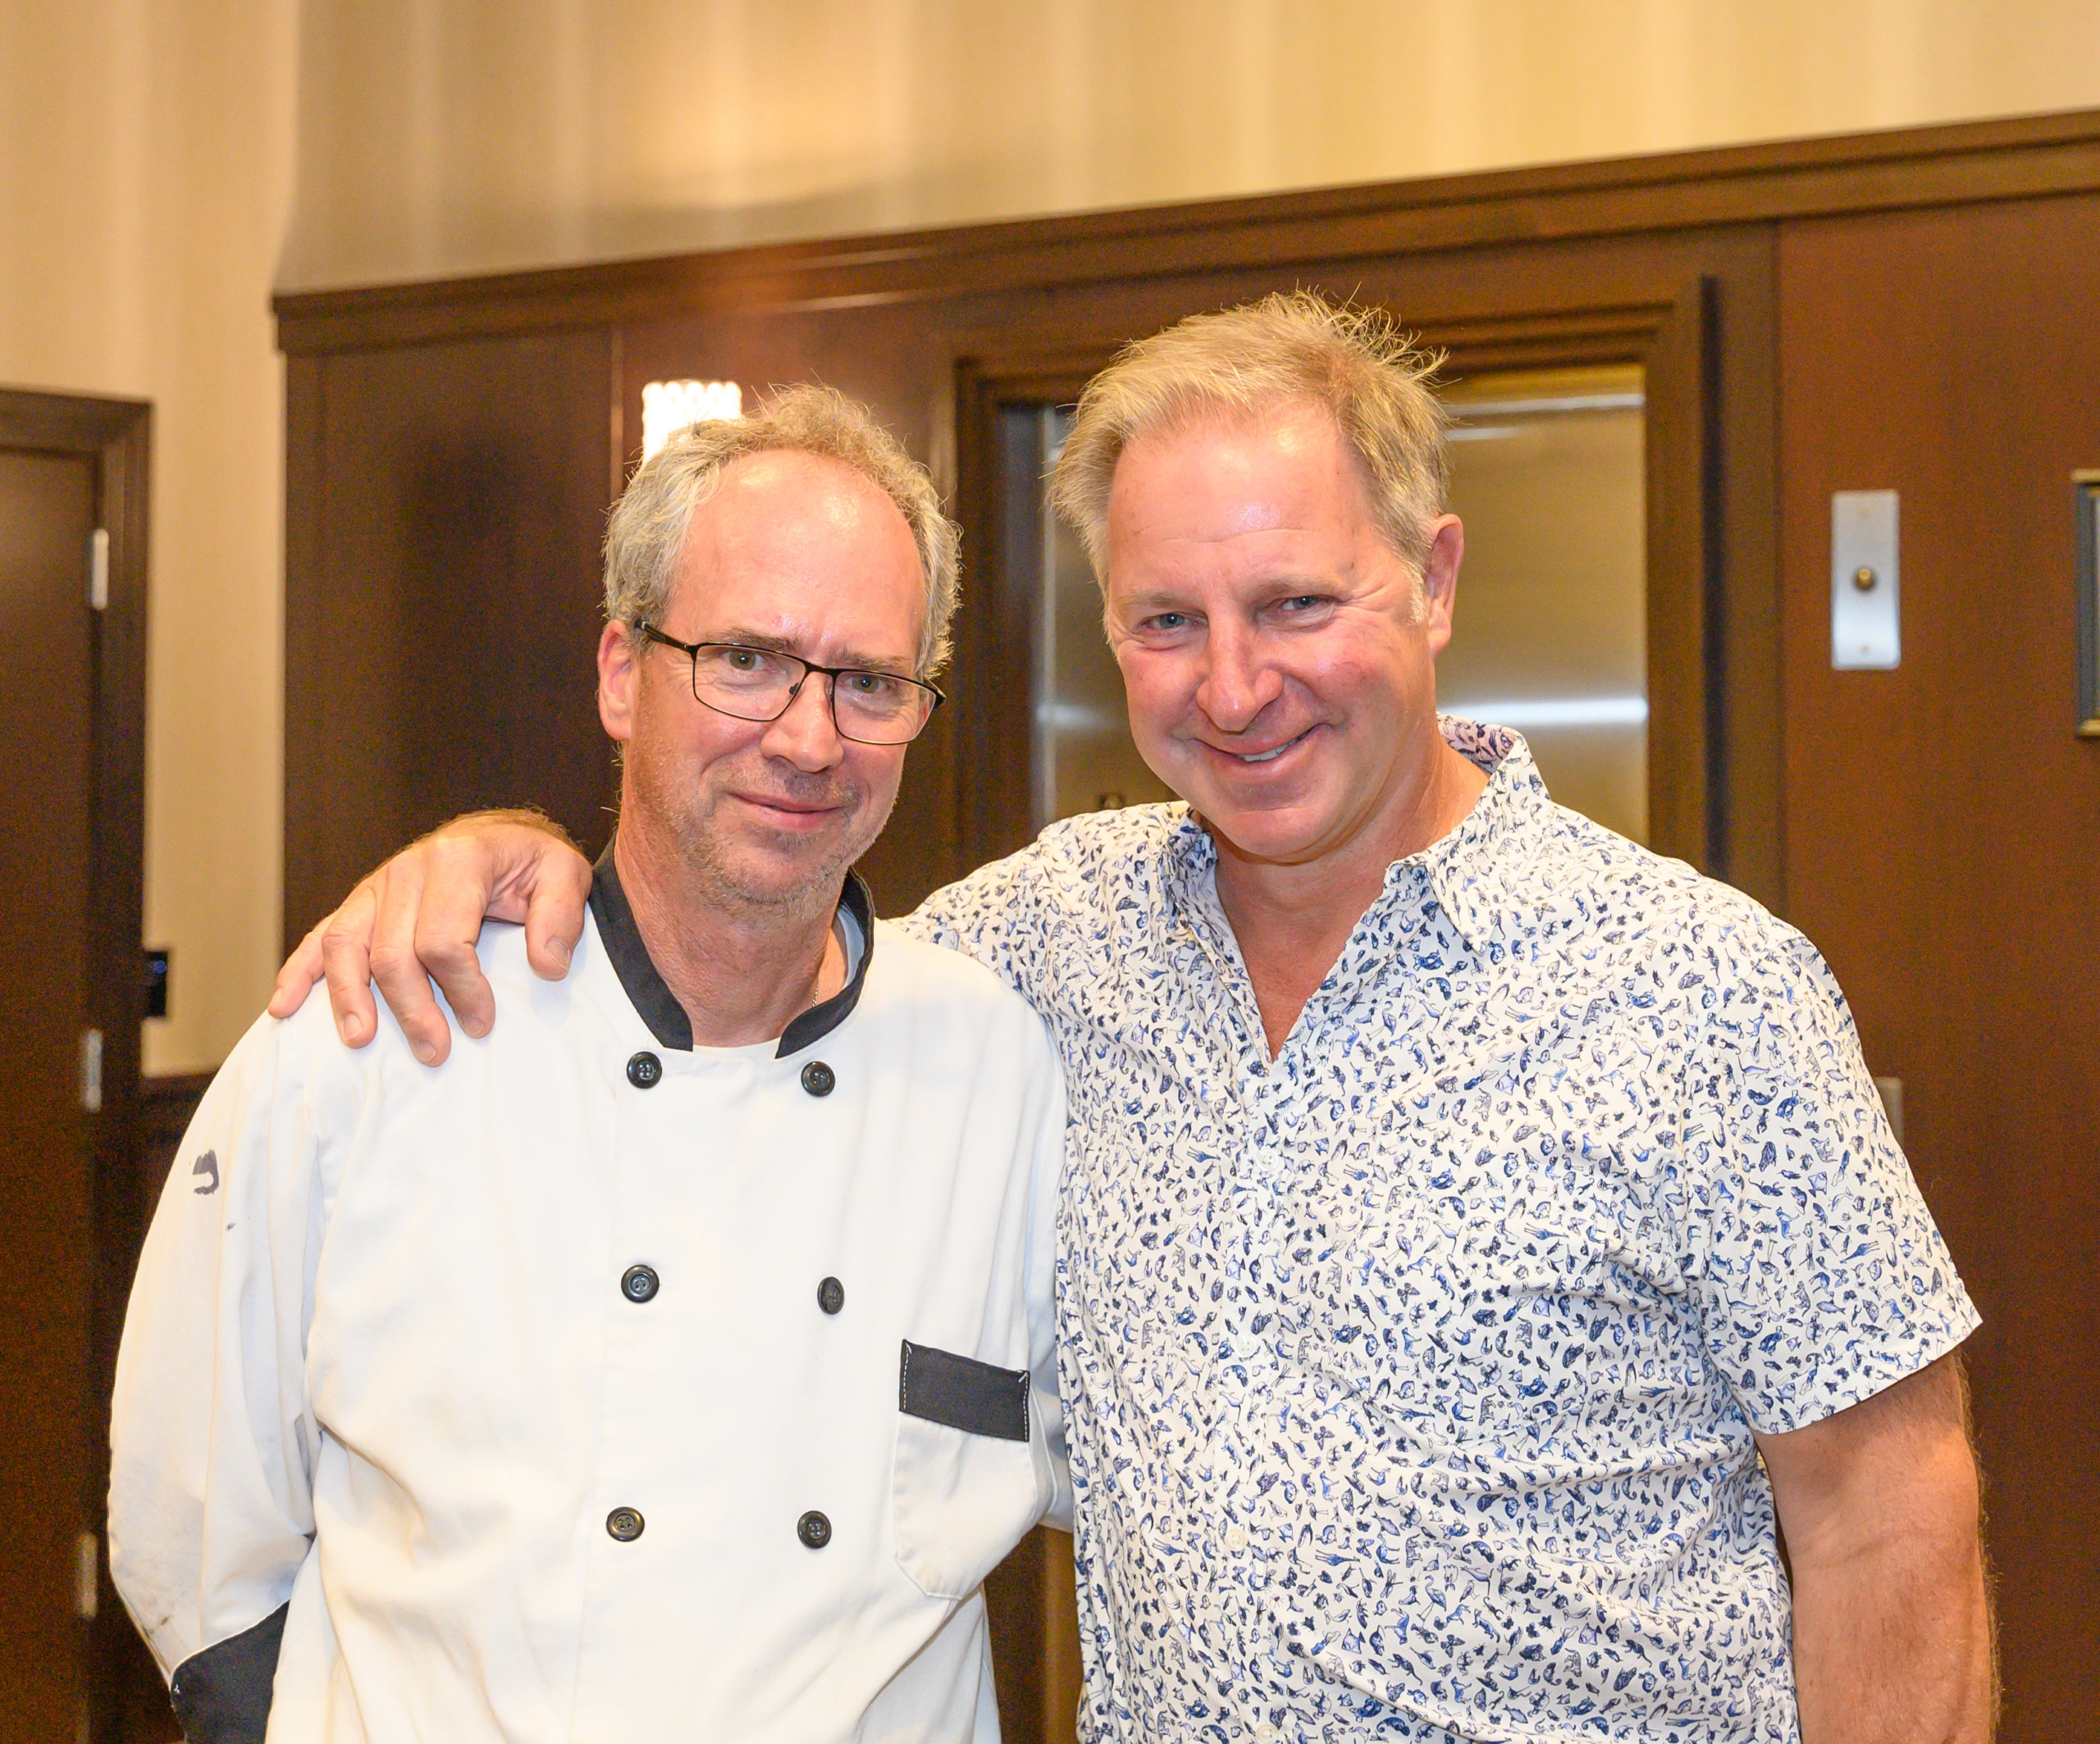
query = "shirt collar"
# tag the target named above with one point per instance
(658, 1006)
(1476, 873)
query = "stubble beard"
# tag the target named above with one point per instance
(724, 879)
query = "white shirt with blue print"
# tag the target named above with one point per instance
(1410, 1377)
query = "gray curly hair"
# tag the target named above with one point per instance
(1296, 346)
(648, 525)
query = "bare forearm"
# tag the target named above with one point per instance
(1882, 1506)
(1892, 1643)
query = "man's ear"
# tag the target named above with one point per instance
(1440, 579)
(619, 679)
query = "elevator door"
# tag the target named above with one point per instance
(1550, 636)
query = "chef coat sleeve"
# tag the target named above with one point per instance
(211, 1441)
(1043, 1271)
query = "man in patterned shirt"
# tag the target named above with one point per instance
(1460, 1199)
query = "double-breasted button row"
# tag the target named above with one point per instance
(641, 1283)
(625, 1524)
(645, 1071)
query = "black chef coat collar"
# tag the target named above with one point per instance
(659, 1008)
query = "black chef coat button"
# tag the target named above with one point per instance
(624, 1524)
(831, 1295)
(638, 1283)
(644, 1069)
(817, 1078)
(813, 1529)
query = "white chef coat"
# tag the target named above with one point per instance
(387, 1362)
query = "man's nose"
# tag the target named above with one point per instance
(1238, 682)
(806, 734)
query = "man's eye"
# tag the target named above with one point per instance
(1166, 621)
(740, 660)
(1304, 602)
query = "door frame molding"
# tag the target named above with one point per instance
(115, 437)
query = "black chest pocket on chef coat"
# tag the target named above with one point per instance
(963, 1392)
(969, 1477)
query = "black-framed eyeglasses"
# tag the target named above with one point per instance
(869, 708)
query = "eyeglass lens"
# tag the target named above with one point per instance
(752, 684)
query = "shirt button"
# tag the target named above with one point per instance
(817, 1078)
(638, 1283)
(643, 1070)
(624, 1524)
(1265, 1733)
(813, 1529)
(831, 1295)
(1235, 1538)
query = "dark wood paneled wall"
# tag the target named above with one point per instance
(445, 504)
(1907, 310)
(1943, 823)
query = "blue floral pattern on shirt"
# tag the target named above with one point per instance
(1410, 1378)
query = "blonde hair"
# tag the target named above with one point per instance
(649, 523)
(1295, 348)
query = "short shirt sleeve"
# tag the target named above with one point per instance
(1817, 1274)
(997, 915)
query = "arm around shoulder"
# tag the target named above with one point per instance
(418, 919)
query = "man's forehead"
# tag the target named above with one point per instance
(1294, 428)
(785, 507)
(792, 481)
(802, 552)
(1238, 472)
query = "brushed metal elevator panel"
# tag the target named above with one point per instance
(1865, 581)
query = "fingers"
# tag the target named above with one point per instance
(295, 979)
(343, 941)
(456, 889)
(403, 983)
(419, 917)
(560, 886)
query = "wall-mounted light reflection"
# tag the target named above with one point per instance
(669, 406)
(1531, 713)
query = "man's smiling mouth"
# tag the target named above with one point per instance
(1271, 753)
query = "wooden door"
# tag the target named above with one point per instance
(72, 683)
(1942, 821)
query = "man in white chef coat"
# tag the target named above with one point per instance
(676, 1361)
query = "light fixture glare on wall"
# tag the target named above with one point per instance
(667, 407)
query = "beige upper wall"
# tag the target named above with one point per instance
(145, 178)
(152, 154)
(440, 137)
